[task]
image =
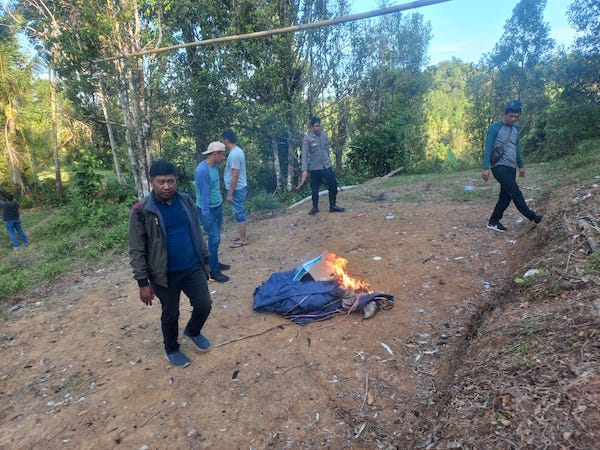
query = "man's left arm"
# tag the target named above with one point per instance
(520, 162)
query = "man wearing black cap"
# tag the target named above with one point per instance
(503, 154)
(168, 255)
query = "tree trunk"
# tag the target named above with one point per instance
(136, 156)
(291, 151)
(341, 134)
(276, 164)
(57, 172)
(109, 130)
(131, 88)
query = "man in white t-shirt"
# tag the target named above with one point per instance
(236, 185)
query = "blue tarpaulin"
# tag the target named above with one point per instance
(304, 301)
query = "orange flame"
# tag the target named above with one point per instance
(337, 266)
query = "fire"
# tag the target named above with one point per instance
(337, 266)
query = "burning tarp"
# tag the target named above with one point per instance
(318, 290)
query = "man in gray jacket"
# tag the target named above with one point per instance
(316, 160)
(169, 256)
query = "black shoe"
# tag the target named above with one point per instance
(336, 208)
(218, 277)
(313, 211)
(536, 218)
(224, 266)
(497, 226)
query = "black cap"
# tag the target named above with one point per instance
(513, 106)
(162, 167)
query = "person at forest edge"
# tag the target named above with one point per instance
(504, 135)
(209, 201)
(316, 160)
(168, 253)
(236, 185)
(12, 221)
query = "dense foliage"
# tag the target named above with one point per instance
(81, 103)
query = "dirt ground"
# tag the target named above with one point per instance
(82, 364)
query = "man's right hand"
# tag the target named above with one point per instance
(146, 295)
(485, 175)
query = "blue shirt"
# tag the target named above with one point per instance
(208, 187)
(180, 254)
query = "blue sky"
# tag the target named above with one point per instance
(467, 29)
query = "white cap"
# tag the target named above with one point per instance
(214, 147)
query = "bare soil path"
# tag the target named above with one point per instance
(82, 363)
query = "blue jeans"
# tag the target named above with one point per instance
(13, 227)
(192, 282)
(509, 190)
(237, 206)
(212, 223)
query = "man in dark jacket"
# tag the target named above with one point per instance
(168, 255)
(12, 221)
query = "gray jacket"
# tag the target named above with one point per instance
(148, 239)
(315, 152)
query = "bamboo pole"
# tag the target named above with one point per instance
(290, 29)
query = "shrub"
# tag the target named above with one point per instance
(262, 201)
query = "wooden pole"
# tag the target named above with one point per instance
(290, 29)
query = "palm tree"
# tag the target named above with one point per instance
(15, 77)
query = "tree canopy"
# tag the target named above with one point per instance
(369, 80)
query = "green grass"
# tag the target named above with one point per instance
(580, 167)
(61, 239)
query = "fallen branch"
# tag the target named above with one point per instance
(393, 172)
(304, 200)
(251, 335)
(366, 393)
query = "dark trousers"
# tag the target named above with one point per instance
(192, 282)
(316, 179)
(509, 190)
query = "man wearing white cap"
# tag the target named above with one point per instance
(209, 203)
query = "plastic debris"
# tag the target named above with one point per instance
(531, 273)
(369, 310)
(387, 347)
